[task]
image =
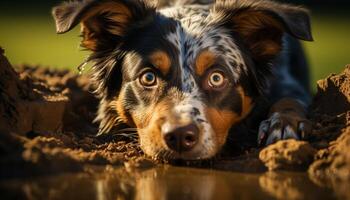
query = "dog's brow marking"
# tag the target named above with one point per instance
(161, 60)
(203, 61)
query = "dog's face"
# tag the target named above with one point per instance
(182, 76)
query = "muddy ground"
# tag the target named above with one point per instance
(46, 127)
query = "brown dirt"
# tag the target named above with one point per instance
(285, 155)
(326, 155)
(331, 115)
(46, 126)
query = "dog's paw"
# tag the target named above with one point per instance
(281, 126)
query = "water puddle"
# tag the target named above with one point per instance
(169, 183)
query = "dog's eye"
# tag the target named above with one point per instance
(148, 79)
(217, 80)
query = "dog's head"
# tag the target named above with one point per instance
(182, 76)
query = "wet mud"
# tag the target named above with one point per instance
(168, 182)
(46, 127)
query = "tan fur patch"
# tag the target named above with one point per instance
(120, 107)
(161, 60)
(221, 121)
(247, 102)
(143, 117)
(204, 60)
(149, 124)
(90, 40)
(147, 115)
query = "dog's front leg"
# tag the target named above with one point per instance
(286, 120)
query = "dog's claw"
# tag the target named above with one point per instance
(289, 133)
(277, 127)
(304, 130)
(273, 137)
(263, 130)
(301, 129)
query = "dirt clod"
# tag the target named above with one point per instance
(288, 155)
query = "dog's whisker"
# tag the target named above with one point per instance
(167, 155)
(157, 155)
(129, 129)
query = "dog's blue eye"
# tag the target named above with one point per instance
(148, 79)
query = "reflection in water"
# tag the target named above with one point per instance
(280, 187)
(290, 186)
(341, 188)
(182, 184)
(166, 183)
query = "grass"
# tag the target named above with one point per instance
(32, 40)
(330, 51)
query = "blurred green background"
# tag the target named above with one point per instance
(27, 33)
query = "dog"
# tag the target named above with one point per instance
(187, 72)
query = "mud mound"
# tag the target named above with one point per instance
(330, 110)
(46, 124)
(331, 116)
(26, 106)
(44, 100)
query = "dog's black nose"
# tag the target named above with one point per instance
(182, 138)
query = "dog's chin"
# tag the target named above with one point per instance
(184, 157)
(167, 155)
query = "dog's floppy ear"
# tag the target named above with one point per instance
(103, 22)
(262, 23)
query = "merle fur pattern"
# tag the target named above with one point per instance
(184, 30)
